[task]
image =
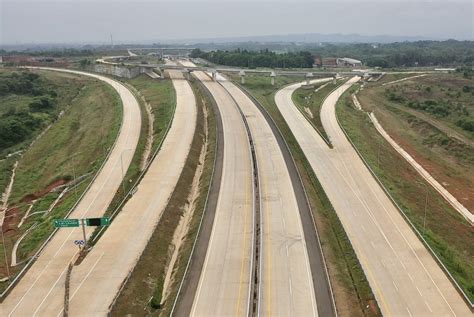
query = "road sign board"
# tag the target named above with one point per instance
(61, 223)
(97, 222)
(79, 242)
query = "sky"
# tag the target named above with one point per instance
(86, 21)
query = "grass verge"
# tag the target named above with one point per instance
(353, 294)
(76, 144)
(144, 289)
(447, 233)
(162, 98)
(310, 101)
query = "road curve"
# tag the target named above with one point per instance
(286, 283)
(224, 284)
(95, 283)
(28, 297)
(404, 277)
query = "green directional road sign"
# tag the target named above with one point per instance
(98, 222)
(62, 223)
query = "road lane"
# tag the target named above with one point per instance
(95, 283)
(224, 284)
(48, 271)
(404, 277)
(286, 284)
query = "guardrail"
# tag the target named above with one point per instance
(130, 193)
(257, 246)
(270, 118)
(415, 230)
(188, 264)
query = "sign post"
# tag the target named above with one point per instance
(84, 231)
(90, 222)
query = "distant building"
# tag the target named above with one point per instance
(345, 61)
(329, 62)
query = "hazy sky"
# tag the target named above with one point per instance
(83, 21)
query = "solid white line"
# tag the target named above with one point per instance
(90, 204)
(391, 219)
(83, 280)
(36, 280)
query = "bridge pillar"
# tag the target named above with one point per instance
(334, 80)
(272, 78)
(308, 78)
(242, 77)
(214, 75)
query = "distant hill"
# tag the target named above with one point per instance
(311, 38)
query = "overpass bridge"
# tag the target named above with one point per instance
(242, 72)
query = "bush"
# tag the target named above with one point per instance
(24, 83)
(158, 294)
(41, 105)
(466, 124)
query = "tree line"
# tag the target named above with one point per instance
(392, 55)
(253, 59)
(405, 54)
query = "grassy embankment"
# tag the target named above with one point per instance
(138, 297)
(160, 95)
(76, 144)
(432, 117)
(162, 98)
(310, 101)
(448, 234)
(351, 289)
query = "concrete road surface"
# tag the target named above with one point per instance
(97, 280)
(404, 277)
(286, 284)
(224, 284)
(46, 275)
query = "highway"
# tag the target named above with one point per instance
(403, 275)
(286, 283)
(224, 283)
(95, 283)
(47, 273)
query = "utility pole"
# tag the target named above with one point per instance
(111, 40)
(426, 206)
